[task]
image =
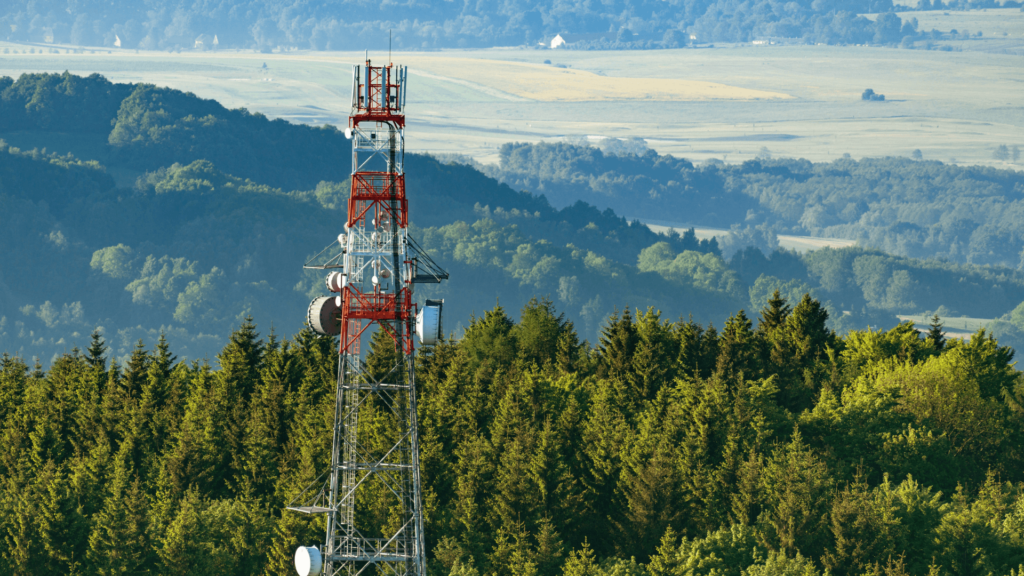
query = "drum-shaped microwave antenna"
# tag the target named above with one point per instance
(308, 561)
(336, 281)
(428, 322)
(322, 316)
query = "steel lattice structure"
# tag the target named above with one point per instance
(372, 268)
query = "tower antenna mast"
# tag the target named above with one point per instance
(372, 270)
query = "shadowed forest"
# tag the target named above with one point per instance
(146, 211)
(771, 447)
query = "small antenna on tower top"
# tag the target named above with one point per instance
(389, 45)
(366, 54)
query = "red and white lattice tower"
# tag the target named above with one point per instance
(372, 270)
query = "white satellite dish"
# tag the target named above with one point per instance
(348, 133)
(308, 561)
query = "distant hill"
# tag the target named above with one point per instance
(185, 247)
(914, 208)
(178, 216)
(348, 25)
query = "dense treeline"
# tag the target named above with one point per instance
(920, 209)
(348, 25)
(669, 449)
(154, 237)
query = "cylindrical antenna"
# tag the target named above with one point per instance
(389, 46)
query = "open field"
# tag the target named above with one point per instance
(729, 102)
(546, 83)
(799, 243)
(952, 327)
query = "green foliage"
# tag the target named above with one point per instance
(59, 102)
(706, 271)
(765, 286)
(154, 124)
(669, 450)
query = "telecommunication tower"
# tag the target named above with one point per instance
(372, 269)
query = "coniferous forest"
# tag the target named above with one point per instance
(767, 446)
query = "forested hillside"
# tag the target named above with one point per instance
(914, 208)
(670, 449)
(142, 234)
(352, 25)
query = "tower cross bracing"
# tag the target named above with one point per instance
(372, 270)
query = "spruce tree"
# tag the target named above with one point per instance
(112, 402)
(169, 383)
(567, 352)
(549, 549)
(13, 380)
(241, 359)
(119, 540)
(290, 528)
(737, 348)
(97, 351)
(538, 331)
(135, 373)
(935, 334)
(200, 454)
(649, 504)
(618, 343)
(709, 347)
(799, 354)
(653, 358)
(797, 490)
(581, 562)
(691, 346)
(266, 426)
(62, 530)
(240, 363)
(490, 343)
(382, 360)
(774, 314)
(186, 548)
(37, 370)
(604, 441)
(806, 328)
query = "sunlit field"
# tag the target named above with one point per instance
(727, 102)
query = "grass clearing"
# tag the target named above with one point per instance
(801, 244)
(952, 327)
